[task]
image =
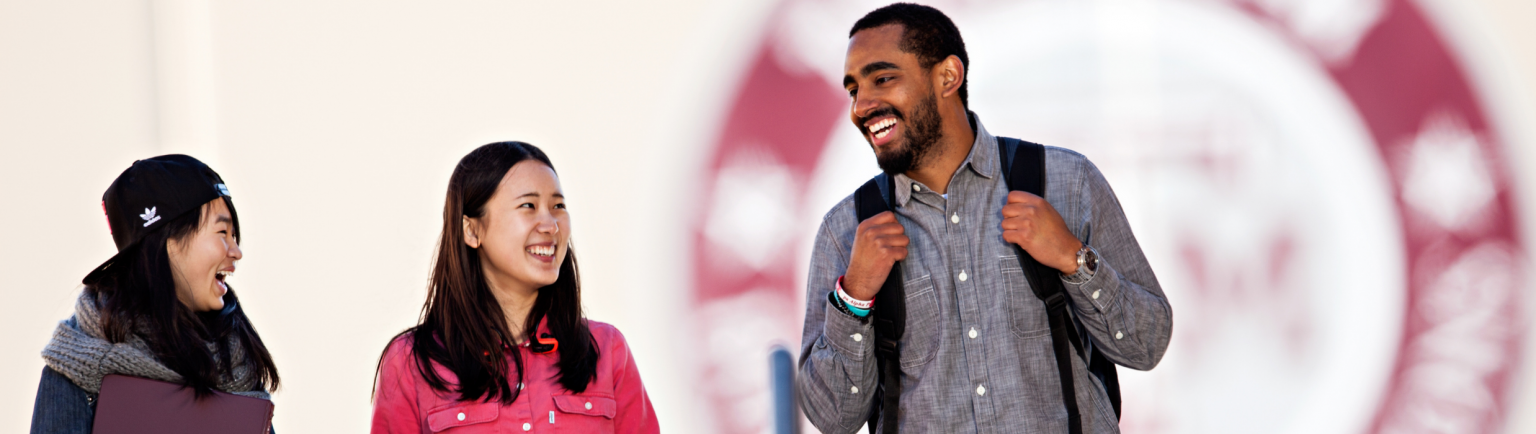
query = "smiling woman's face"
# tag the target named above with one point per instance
(201, 261)
(523, 231)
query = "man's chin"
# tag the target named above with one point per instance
(895, 165)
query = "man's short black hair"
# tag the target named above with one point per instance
(927, 33)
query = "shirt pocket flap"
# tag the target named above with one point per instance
(587, 405)
(462, 414)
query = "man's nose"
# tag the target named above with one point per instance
(863, 106)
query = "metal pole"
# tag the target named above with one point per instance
(786, 414)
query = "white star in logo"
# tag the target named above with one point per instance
(1447, 177)
(752, 211)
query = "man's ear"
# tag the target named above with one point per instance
(471, 233)
(948, 75)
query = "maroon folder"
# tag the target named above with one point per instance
(133, 405)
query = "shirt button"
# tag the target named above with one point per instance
(1119, 335)
(1095, 294)
(461, 416)
(963, 276)
(589, 406)
(973, 333)
(955, 218)
(916, 188)
(855, 389)
(857, 337)
(527, 426)
(981, 390)
(519, 386)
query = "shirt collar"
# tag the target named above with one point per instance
(983, 160)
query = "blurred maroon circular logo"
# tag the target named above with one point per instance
(1317, 183)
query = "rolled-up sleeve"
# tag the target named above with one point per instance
(837, 373)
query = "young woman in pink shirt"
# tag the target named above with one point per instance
(502, 345)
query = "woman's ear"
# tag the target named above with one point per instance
(471, 233)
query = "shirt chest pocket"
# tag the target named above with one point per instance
(583, 414)
(920, 339)
(464, 418)
(1025, 311)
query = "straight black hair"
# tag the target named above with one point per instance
(140, 300)
(462, 325)
(926, 33)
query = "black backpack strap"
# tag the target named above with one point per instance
(890, 316)
(1025, 171)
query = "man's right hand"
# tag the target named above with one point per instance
(878, 243)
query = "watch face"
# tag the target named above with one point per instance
(1091, 260)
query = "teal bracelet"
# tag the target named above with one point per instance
(856, 311)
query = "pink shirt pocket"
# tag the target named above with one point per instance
(582, 413)
(471, 416)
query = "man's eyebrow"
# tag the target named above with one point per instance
(876, 66)
(868, 69)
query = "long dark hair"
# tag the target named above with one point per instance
(462, 325)
(140, 300)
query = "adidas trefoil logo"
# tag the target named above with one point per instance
(149, 216)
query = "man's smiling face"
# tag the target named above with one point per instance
(893, 102)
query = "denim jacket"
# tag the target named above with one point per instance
(61, 406)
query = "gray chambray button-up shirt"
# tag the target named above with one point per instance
(976, 356)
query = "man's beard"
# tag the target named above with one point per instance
(917, 146)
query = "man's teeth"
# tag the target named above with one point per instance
(542, 250)
(882, 128)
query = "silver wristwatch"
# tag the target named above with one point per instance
(1087, 264)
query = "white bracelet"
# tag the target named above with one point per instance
(853, 302)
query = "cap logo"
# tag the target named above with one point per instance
(222, 189)
(149, 216)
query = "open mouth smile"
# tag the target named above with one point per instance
(880, 129)
(220, 276)
(542, 252)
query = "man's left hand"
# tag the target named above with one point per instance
(1034, 225)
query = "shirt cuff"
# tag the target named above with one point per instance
(1096, 290)
(848, 334)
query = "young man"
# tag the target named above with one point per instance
(977, 353)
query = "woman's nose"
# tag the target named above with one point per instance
(549, 226)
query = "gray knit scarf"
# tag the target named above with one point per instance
(81, 353)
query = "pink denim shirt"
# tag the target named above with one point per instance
(615, 401)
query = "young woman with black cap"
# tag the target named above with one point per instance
(159, 309)
(502, 345)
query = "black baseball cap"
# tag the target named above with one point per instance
(150, 193)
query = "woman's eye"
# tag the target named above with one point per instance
(559, 206)
(526, 205)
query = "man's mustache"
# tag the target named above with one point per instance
(887, 110)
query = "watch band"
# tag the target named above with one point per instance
(1087, 264)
